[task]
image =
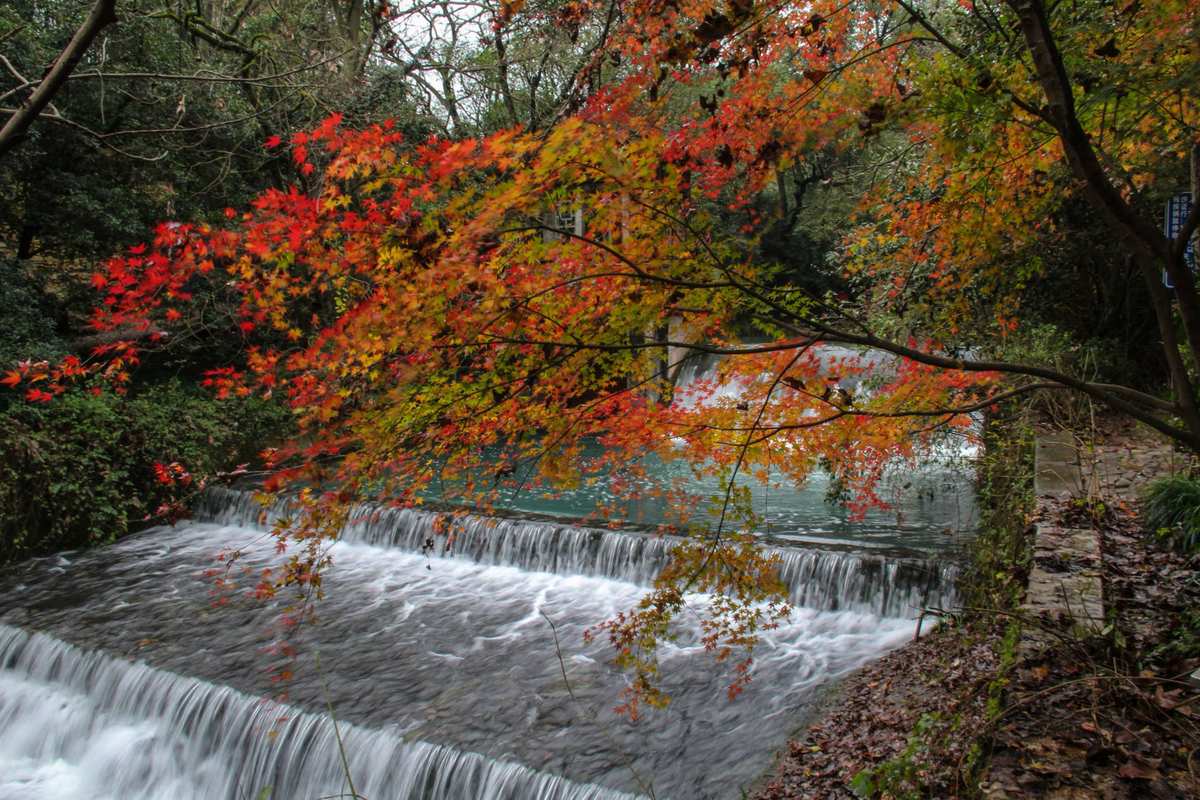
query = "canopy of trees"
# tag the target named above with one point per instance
(530, 213)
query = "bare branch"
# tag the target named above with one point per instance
(102, 15)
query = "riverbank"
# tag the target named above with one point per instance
(877, 728)
(1062, 675)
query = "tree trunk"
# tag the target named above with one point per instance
(13, 133)
(25, 241)
(1149, 246)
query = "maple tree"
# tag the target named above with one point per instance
(429, 315)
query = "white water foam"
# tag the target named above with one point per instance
(822, 579)
(77, 724)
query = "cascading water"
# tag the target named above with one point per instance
(821, 579)
(79, 724)
(461, 655)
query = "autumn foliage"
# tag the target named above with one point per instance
(482, 312)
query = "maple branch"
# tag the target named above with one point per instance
(872, 342)
(734, 280)
(622, 348)
(843, 411)
(103, 13)
(638, 272)
(1136, 403)
(1128, 400)
(1123, 398)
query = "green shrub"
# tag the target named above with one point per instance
(29, 331)
(1171, 508)
(80, 470)
(999, 555)
(1181, 645)
(900, 777)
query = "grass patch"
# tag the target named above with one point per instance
(1171, 510)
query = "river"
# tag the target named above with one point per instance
(458, 674)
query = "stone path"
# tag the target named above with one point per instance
(1065, 578)
(1065, 734)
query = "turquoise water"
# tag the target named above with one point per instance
(930, 509)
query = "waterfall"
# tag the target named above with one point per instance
(702, 366)
(81, 724)
(867, 364)
(819, 579)
(889, 587)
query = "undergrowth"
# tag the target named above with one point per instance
(1001, 553)
(946, 751)
(80, 471)
(1171, 509)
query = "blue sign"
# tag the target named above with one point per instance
(1178, 208)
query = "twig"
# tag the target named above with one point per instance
(336, 733)
(648, 788)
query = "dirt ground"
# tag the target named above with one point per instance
(871, 718)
